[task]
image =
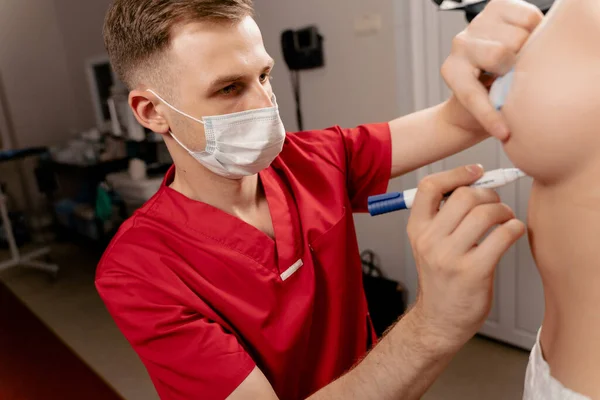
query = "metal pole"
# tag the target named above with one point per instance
(6, 126)
(12, 243)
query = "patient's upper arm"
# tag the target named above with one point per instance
(553, 107)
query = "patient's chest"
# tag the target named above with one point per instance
(553, 107)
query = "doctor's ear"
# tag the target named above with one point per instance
(143, 105)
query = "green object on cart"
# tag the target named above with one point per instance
(103, 203)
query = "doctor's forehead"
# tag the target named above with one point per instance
(218, 49)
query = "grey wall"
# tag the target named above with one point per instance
(364, 81)
(358, 84)
(43, 51)
(34, 71)
(36, 83)
(43, 48)
(80, 24)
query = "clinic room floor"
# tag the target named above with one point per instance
(71, 308)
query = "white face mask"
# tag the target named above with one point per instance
(239, 144)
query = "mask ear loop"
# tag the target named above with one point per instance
(175, 109)
(181, 144)
(180, 112)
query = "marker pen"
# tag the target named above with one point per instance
(500, 88)
(394, 201)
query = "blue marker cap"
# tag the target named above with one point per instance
(386, 203)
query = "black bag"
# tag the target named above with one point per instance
(386, 298)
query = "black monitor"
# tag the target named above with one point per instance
(101, 78)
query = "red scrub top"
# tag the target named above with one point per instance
(203, 297)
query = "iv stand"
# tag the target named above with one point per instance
(18, 259)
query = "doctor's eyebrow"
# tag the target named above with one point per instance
(224, 81)
(229, 79)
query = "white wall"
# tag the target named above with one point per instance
(363, 81)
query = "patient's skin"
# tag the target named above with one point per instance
(553, 110)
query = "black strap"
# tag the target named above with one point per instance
(296, 87)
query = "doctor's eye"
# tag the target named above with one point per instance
(228, 90)
(264, 78)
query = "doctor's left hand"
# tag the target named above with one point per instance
(490, 43)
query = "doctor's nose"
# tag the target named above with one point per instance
(262, 97)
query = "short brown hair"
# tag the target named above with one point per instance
(137, 31)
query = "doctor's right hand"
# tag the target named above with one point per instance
(456, 267)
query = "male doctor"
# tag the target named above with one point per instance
(241, 277)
